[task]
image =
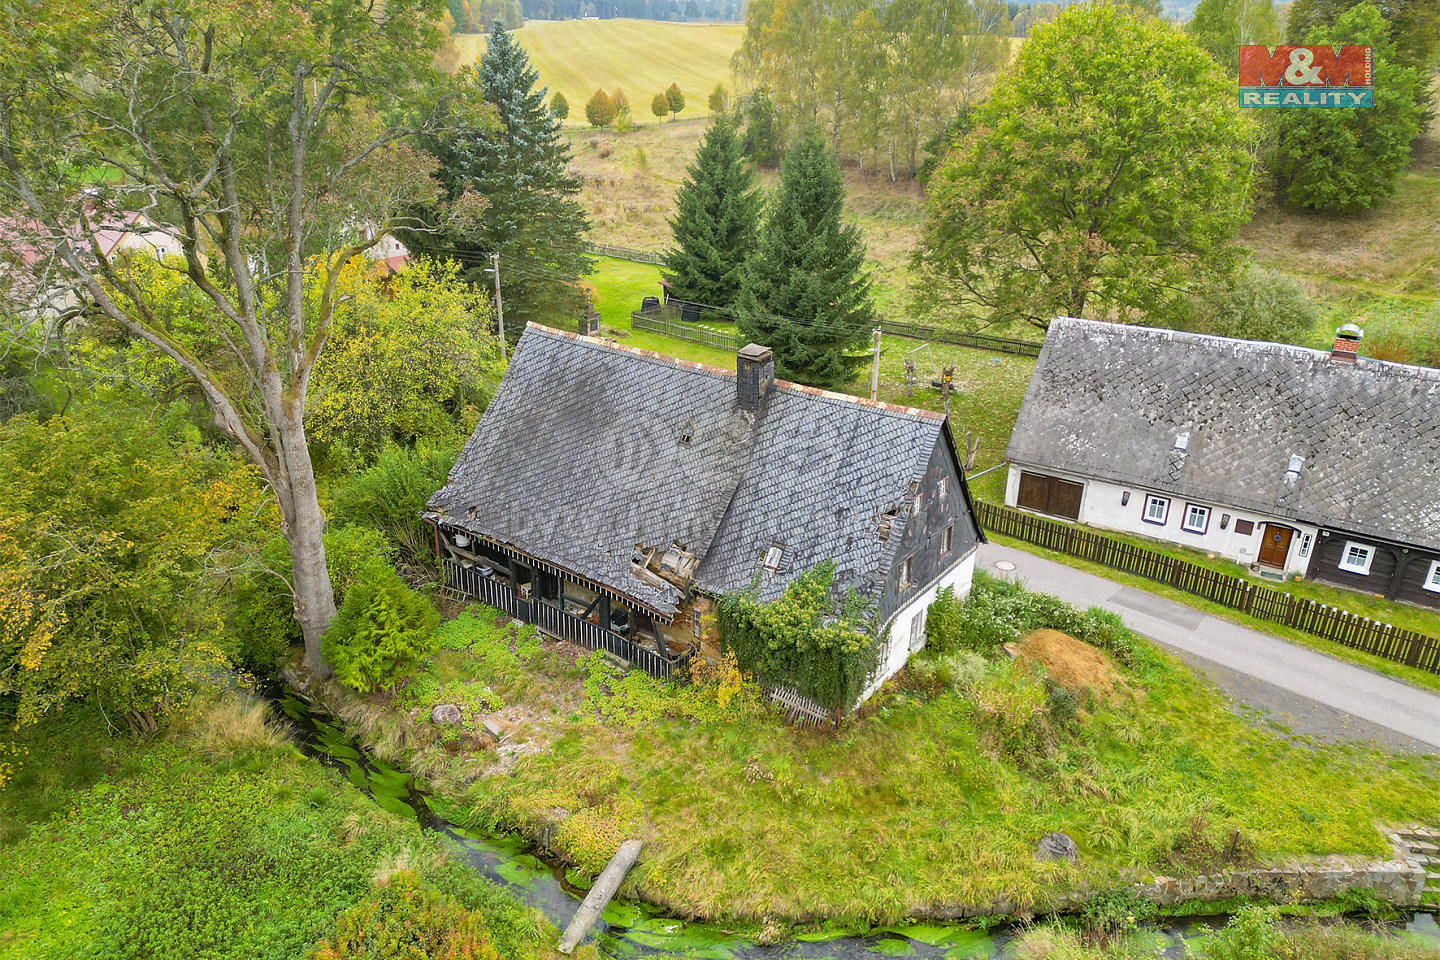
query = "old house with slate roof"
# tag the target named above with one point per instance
(609, 494)
(1293, 461)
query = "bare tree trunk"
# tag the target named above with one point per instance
(304, 526)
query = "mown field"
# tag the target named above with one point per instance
(640, 57)
(1375, 267)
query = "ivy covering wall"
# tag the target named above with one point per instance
(805, 640)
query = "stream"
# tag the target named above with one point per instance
(632, 929)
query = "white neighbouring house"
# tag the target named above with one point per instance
(1294, 462)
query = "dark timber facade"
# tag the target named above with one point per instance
(609, 495)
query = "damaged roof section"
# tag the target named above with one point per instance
(643, 473)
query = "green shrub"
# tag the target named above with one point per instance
(1256, 304)
(1110, 913)
(381, 632)
(263, 619)
(1251, 934)
(943, 621)
(804, 640)
(390, 495)
(407, 919)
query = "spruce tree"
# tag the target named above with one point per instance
(529, 214)
(717, 217)
(806, 293)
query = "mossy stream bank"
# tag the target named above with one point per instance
(632, 929)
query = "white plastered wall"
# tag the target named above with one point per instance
(895, 650)
(1101, 506)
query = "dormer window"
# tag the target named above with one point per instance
(773, 554)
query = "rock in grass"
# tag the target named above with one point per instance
(1056, 846)
(446, 714)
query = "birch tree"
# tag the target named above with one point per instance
(257, 134)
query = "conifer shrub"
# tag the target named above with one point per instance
(381, 632)
(559, 106)
(943, 622)
(262, 617)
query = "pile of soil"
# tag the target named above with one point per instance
(1069, 662)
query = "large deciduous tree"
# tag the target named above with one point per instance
(1352, 159)
(1221, 26)
(716, 219)
(806, 293)
(1414, 26)
(252, 133)
(1080, 194)
(528, 212)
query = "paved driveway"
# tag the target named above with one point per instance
(1307, 691)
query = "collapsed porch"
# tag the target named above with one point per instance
(561, 605)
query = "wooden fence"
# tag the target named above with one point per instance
(801, 711)
(666, 320)
(1276, 606)
(560, 624)
(654, 257)
(681, 317)
(1019, 348)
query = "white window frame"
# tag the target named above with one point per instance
(1360, 567)
(771, 560)
(906, 570)
(917, 629)
(942, 487)
(947, 540)
(1190, 509)
(1432, 578)
(1164, 502)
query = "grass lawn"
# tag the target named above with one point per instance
(1345, 599)
(216, 840)
(640, 57)
(934, 797)
(988, 387)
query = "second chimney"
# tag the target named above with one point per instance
(755, 367)
(1347, 343)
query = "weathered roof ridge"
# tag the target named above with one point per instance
(1372, 364)
(609, 344)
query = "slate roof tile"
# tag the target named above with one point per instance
(579, 458)
(1107, 401)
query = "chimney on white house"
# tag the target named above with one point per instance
(1347, 343)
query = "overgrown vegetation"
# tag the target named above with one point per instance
(219, 840)
(805, 639)
(934, 794)
(381, 632)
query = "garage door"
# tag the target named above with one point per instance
(1059, 498)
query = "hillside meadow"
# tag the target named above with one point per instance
(640, 57)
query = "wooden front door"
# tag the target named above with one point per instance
(1275, 546)
(1051, 495)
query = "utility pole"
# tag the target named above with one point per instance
(875, 369)
(499, 304)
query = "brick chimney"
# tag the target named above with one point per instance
(1347, 344)
(755, 366)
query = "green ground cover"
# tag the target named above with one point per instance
(934, 796)
(218, 840)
